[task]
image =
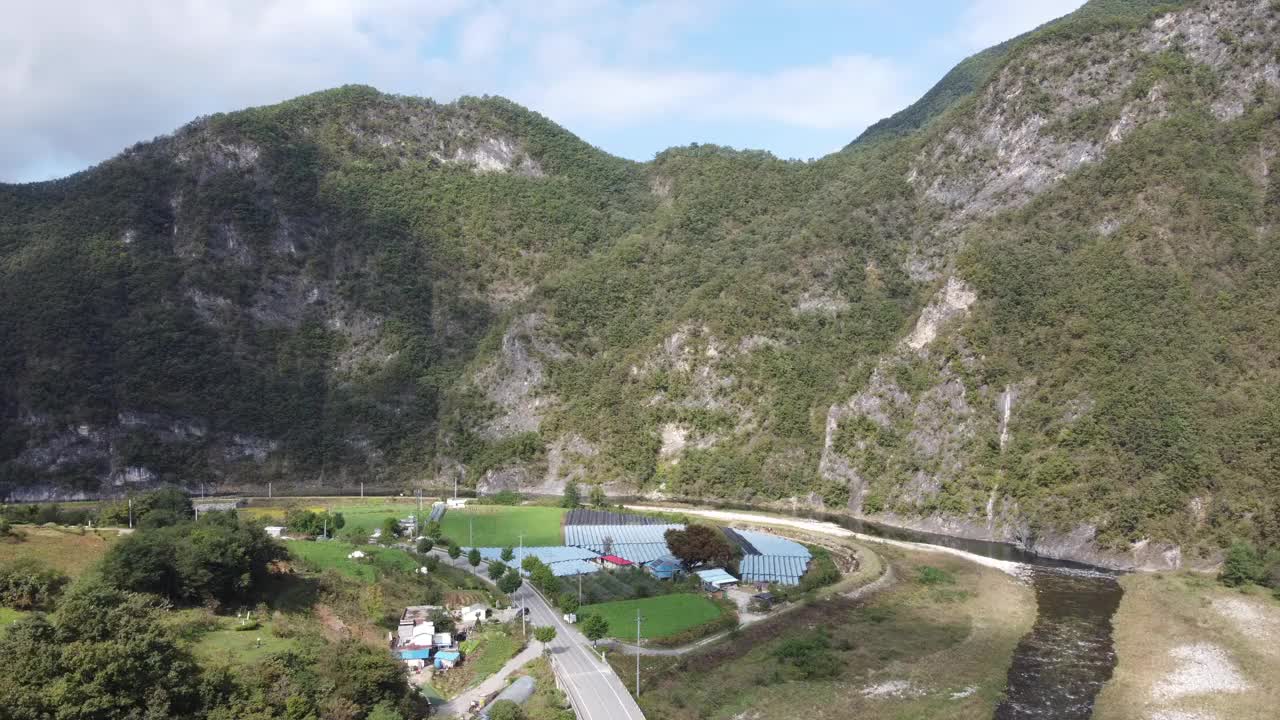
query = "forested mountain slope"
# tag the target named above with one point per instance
(1042, 311)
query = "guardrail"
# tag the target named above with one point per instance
(565, 687)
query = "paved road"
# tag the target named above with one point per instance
(596, 691)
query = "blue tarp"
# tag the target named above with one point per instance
(423, 654)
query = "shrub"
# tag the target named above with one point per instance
(933, 576)
(28, 585)
(822, 571)
(810, 655)
(1243, 565)
(506, 710)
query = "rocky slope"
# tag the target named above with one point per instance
(1041, 307)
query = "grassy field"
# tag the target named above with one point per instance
(62, 548)
(909, 651)
(1188, 647)
(321, 556)
(367, 513)
(9, 616)
(240, 647)
(502, 525)
(664, 615)
(493, 525)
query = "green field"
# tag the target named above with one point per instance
(240, 647)
(333, 554)
(502, 525)
(9, 616)
(366, 514)
(664, 615)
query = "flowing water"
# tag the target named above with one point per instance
(1060, 666)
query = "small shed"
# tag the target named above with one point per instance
(612, 561)
(456, 502)
(447, 658)
(716, 578)
(275, 531)
(665, 567)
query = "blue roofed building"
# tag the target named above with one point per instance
(447, 659)
(666, 567)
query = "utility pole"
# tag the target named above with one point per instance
(579, 587)
(268, 490)
(130, 513)
(362, 489)
(471, 523)
(637, 653)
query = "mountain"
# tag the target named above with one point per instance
(1042, 310)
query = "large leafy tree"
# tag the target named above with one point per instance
(216, 558)
(108, 654)
(699, 545)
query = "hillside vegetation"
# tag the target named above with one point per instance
(1040, 307)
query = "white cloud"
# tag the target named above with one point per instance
(482, 37)
(81, 79)
(991, 22)
(846, 93)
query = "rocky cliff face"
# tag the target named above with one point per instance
(1043, 317)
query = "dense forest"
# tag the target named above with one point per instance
(1039, 305)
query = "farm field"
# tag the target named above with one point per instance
(333, 554)
(62, 548)
(502, 525)
(664, 615)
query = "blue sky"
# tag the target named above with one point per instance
(81, 80)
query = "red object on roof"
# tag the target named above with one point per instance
(615, 560)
